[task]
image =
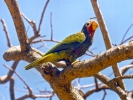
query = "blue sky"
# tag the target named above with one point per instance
(68, 17)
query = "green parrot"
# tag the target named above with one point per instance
(70, 48)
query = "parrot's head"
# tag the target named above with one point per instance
(89, 28)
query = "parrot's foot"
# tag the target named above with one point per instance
(46, 67)
(75, 62)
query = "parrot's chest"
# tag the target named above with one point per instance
(81, 50)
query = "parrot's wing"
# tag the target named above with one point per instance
(69, 42)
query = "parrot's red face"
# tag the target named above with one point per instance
(91, 27)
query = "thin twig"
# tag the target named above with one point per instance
(33, 25)
(122, 41)
(40, 47)
(104, 94)
(30, 91)
(89, 55)
(51, 25)
(90, 51)
(78, 85)
(88, 93)
(6, 32)
(118, 90)
(88, 86)
(6, 78)
(96, 83)
(52, 95)
(11, 89)
(41, 19)
(113, 81)
(93, 17)
(48, 40)
(41, 40)
(34, 96)
(126, 68)
(126, 40)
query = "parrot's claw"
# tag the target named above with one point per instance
(75, 62)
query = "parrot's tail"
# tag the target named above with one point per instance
(33, 64)
(39, 61)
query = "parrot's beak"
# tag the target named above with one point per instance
(94, 25)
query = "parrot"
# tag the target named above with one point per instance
(70, 48)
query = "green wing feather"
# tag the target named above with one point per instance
(69, 42)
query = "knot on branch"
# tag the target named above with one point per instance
(11, 52)
(15, 53)
(50, 69)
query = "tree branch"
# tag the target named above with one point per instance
(14, 53)
(11, 89)
(94, 65)
(126, 68)
(41, 19)
(122, 41)
(106, 38)
(117, 89)
(33, 25)
(113, 81)
(51, 25)
(6, 32)
(29, 89)
(18, 22)
(98, 63)
(6, 78)
(87, 94)
(60, 80)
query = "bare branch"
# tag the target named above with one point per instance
(87, 94)
(30, 95)
(104, 94)
(12, 95)
(41, 19)
(6, 78)
(36, 41)
(127, 39)
(96, 83)
(126, 68)
(78, 70)
(18, 22)
(91, 53)
(106, 38)
(6, 32)
(113, 81)
(30, 91)
(117, 89)
(33, 25)
(122, 41)
(14, 53)
(88, 86)
(52, 96)
(51, 26)
(102, 24)
(23, 97)
(97, 63)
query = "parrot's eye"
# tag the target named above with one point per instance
(87, 24)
